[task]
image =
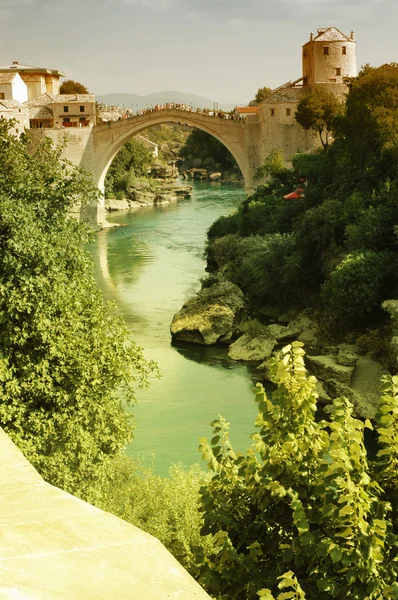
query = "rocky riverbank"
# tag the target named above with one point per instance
(149, 192)
(217, 314)
(200, 174)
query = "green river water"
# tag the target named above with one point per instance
(149, 267)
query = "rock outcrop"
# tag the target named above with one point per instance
(211, 316)
(326, 367)
(252, 348)
(149, 193)
(112, 204)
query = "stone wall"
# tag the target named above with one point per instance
(54, 546)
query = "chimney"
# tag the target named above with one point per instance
(352, 37)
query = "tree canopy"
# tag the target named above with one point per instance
(261, 94)
(200, 144)
(66, 362)
(317, 111)
(370, 129)
(72, 87)
(133, 160)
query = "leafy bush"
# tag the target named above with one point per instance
(302, 510)
(357, 286)
(269, 214)
(165, 507)
(307, 166)
(225, 225)
(269, 269)
(319, 226)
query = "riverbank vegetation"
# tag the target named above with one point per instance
(335, 249)
(65, 359)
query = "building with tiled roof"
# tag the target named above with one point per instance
(13, 87)
(286, 94)
(244, 111)
(61, 110)
(328, 58)
(12, 109)
(38, 80)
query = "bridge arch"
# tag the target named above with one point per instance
(108, 138)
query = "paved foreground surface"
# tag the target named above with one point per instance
(55, 546)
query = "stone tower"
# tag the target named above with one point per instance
(327, 58)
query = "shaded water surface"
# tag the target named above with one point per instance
(149, 267)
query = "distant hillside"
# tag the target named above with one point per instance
(135, 102)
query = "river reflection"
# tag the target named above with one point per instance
(149, 266)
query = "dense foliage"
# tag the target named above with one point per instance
(72, 87)
(203, 146)
(65, 360)
(133, 160)
(261, 94)
(170, 138)
(318, 111)
(336, 248)
(303, 510)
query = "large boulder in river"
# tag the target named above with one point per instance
(211, 316)
(252, 348)
(112, 204)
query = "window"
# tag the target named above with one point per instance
(288, 112)
(344, 50)
(2, 96)
(326, 49)
(338, 71)
(272, 112)
(82, 109)
(66, 120)
(66, 108)
(82, 119)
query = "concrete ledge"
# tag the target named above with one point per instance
(55, 546)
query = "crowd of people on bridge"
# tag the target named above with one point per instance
(215, 112)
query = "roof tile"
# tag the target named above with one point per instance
(286, 95)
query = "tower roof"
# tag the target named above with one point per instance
(331, 34)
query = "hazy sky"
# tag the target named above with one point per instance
(221, 49)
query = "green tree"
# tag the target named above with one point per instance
(317, 111)
(67, 365)
(370, 126)
(302, 506)
(204, 146)
(72, 87)
(261, 94)
(272, 165)
(133, 160)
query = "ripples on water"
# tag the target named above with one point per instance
(149, 267)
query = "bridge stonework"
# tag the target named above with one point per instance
(249, 140)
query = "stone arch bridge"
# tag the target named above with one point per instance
(249, 140)
(109, 137)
